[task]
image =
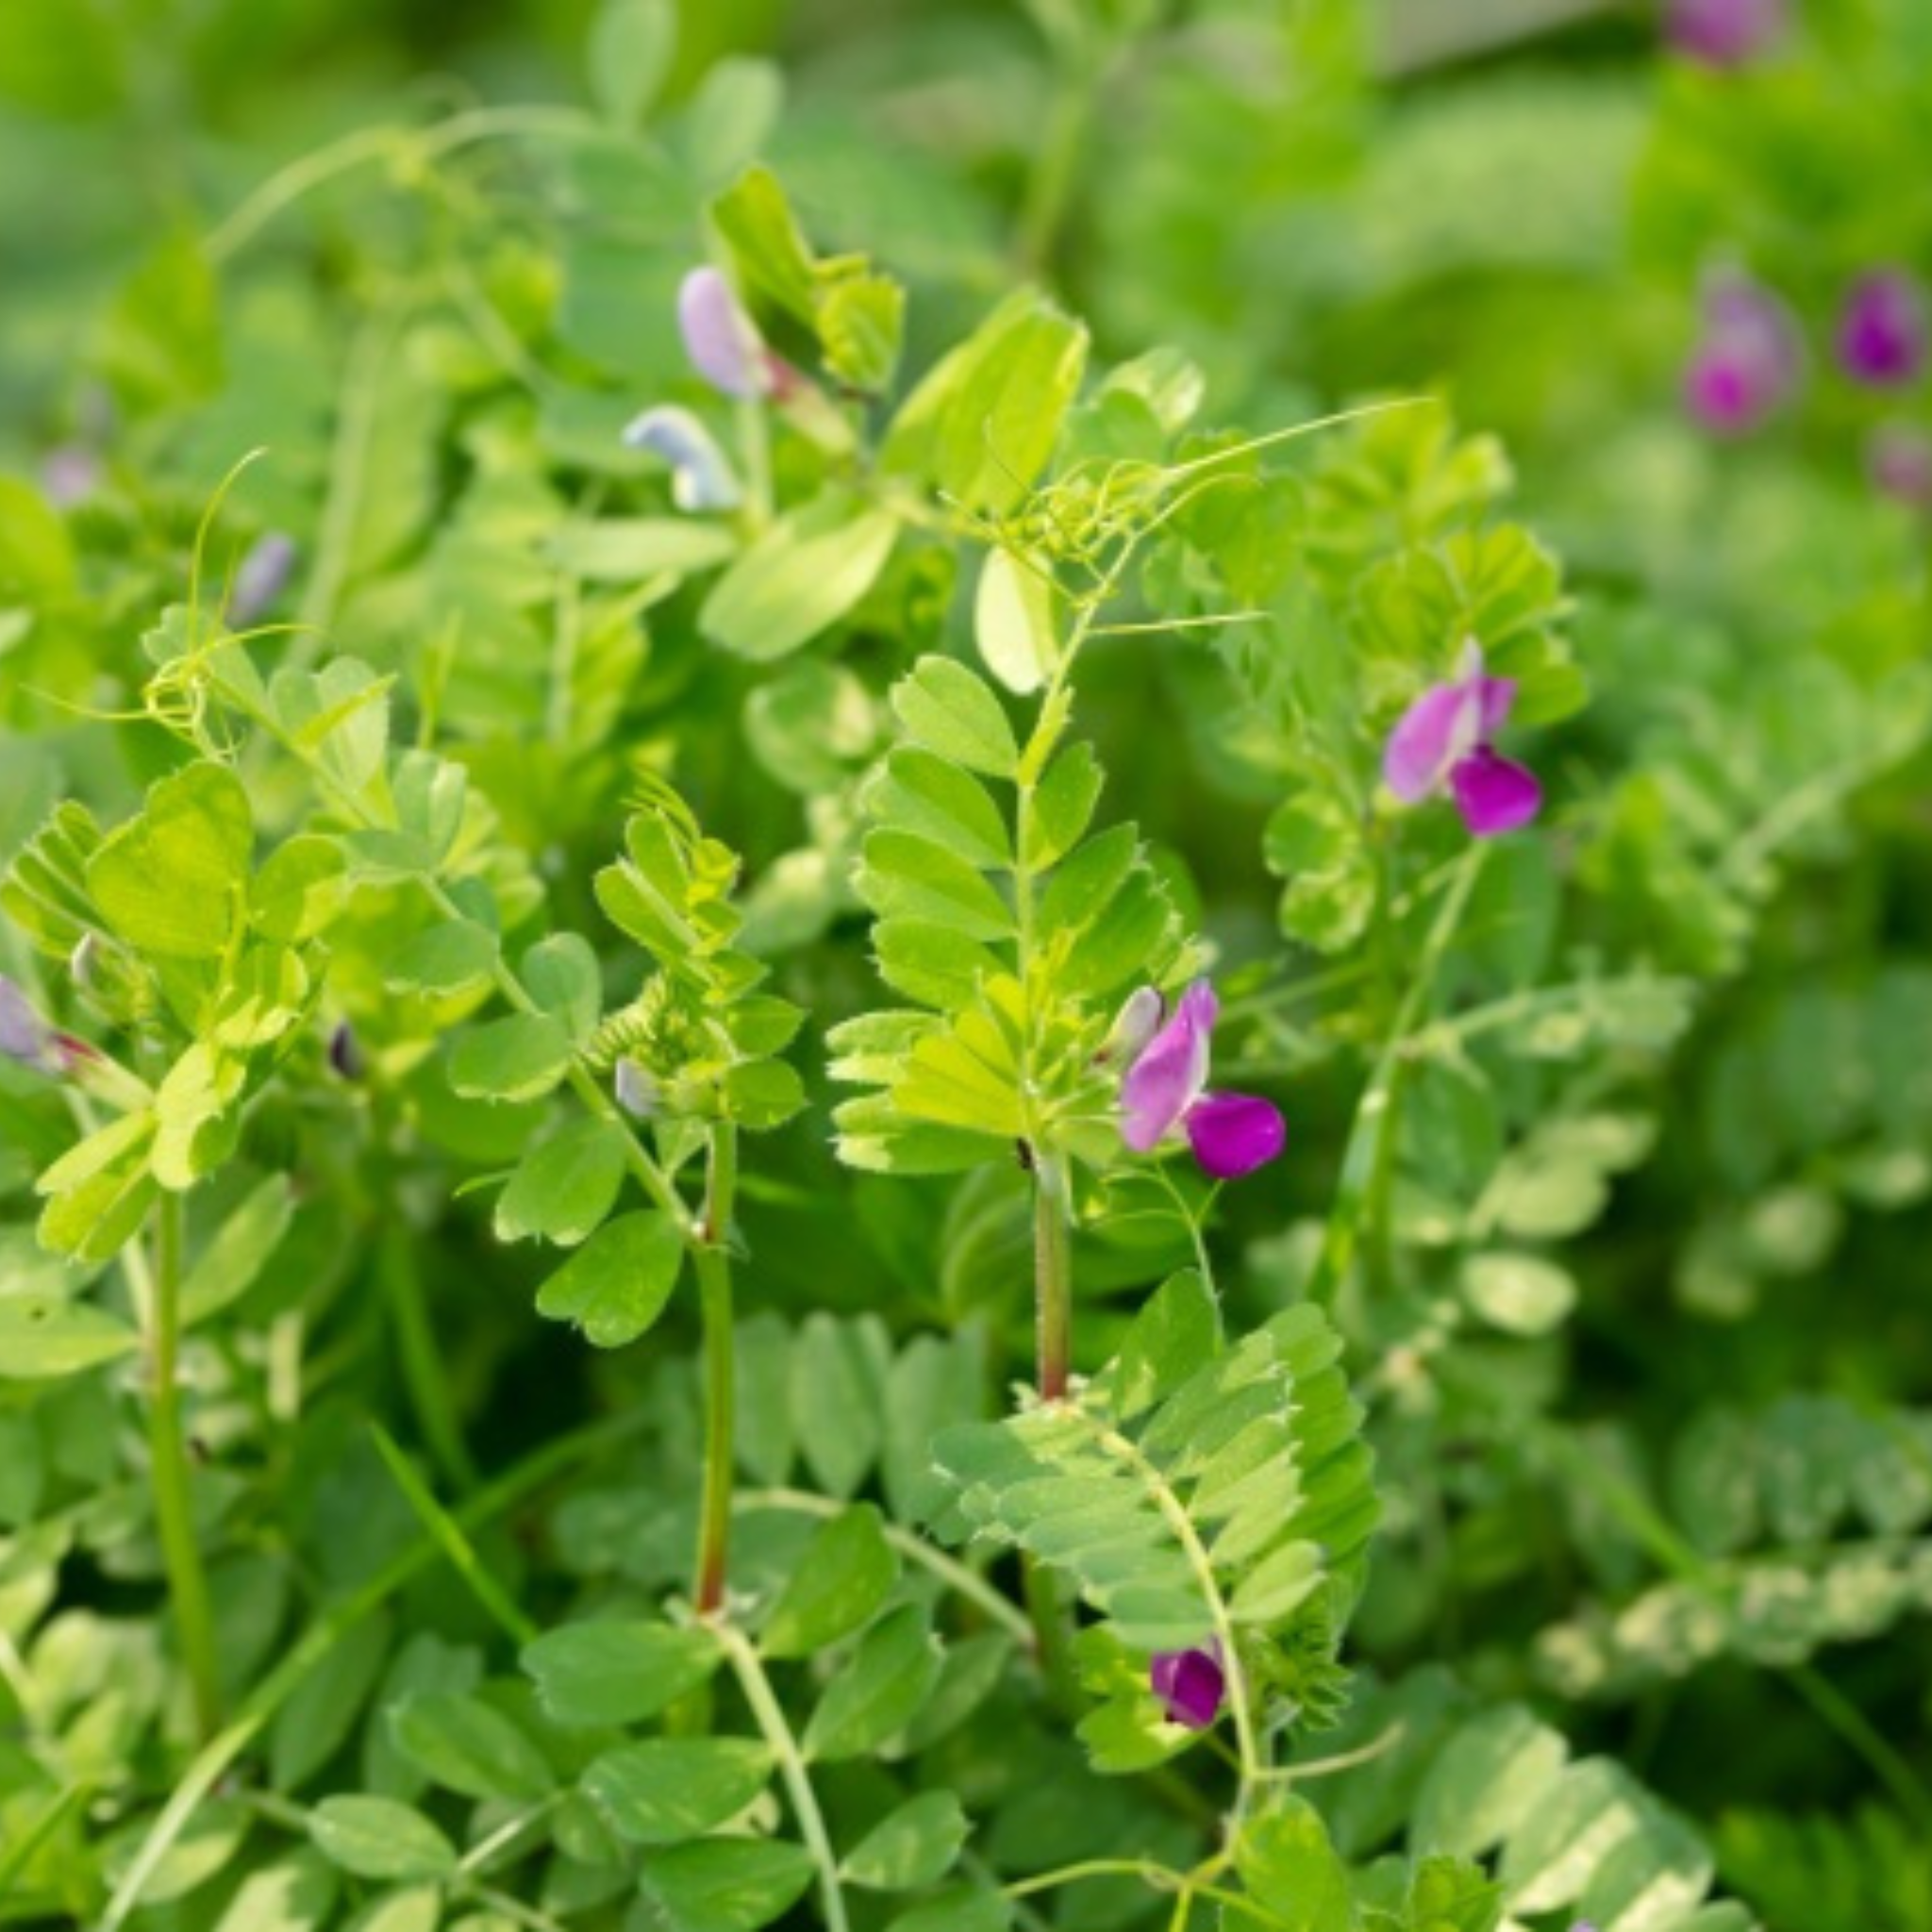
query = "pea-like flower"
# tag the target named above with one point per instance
(1444, 743)
(723, 341)
(1748, 359)
(29, 1042)
(1165, 1093)
(1882, 329)
(638, 1091)
(701, 476)
(1725, 33)
(1191, 1684)
(262, 578)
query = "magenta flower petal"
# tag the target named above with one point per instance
(1725, 33)
(1493, 795)
(1748, 360)
(1439, 727)
(1167, 1077)
(1882, 331)
(1191, 1684)
(1233, 1134)
(719, 337)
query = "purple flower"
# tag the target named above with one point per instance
(1898, 459)
(27, 1039)
(721, 339)
(1231, 1133)
(1191, 1684)
(262, 578)
(1748, 359)
(701, 478)
(1442, 742)
(1882, 329)
(70, 473)
(1725, 33)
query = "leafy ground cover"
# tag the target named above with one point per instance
(965, 967)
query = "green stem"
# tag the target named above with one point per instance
(711, 1256)
(1363, 1188)
(167, 1457)
(770, 1716)
(421, 1365)
(1053, 1275)
(1056, 161)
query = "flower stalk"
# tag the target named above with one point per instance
(711, 1256)
(1053, 1273)
(168, 1473)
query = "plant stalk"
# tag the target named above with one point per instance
(711, 1256)
(1053, 1275)
(168, 1458)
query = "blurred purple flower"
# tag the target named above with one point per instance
(260, 579)
(1748, 359)
(1882, 329)
(1898, 459)
(721, 339)
(1191, 1684)
(1443, 742)
(1231, 1133)
(1725, 33)
(638, 1094)
(701, 478)
(70, 473)
(29, 1042)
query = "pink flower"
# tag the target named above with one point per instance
(1725, 33)
(1191, 1684)
(1442, 742)
(723, 344)
(1898, 459)
(1165, 1089)
(1882, 329)
(1748, 359)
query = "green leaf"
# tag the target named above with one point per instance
(378, 1837)
(467, 1746)
(99, 1190)
(930, 962)
(961, 1910)
(904, 875)
(1174, 1335)
(1014, 621)
(799, 577)
(671, 1789)
(861, 324)
(950, 712)
(296, 1893)
(630, 51)
(1520, 1294)
(1316, 843)
(564, 1186)
(1287, 1865)
(229, 1266)
(198, 1117)
(842, 1575)
(723, 1884)
(44, 1336)
(982, 425)
(633, 550)
(172, 881)
(924, 794)
(913, 1846)
(299, 889)
(599, 1674)
(1495, 1772)
(441, 961)
(322, 1710)
(879, 1690)
(616, 1285)
(522, 1058)
(1063, 805)
(838, 1395)
(1089, 883)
